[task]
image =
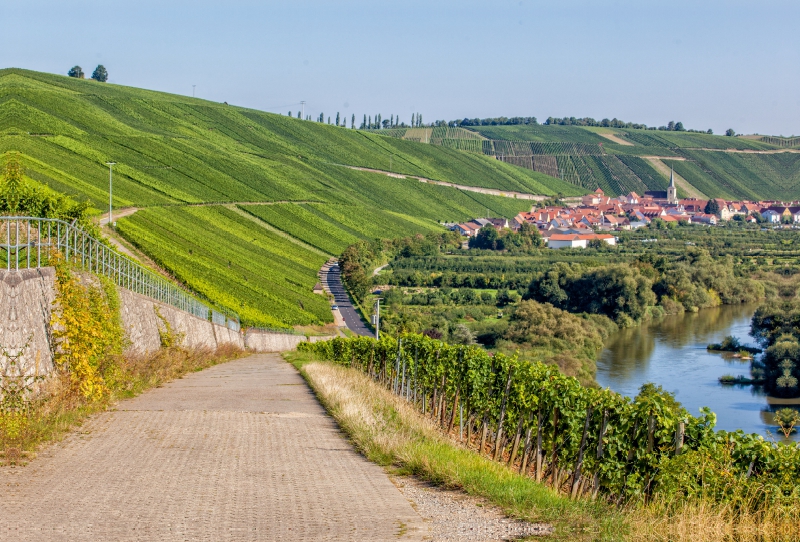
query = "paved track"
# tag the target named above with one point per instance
(240, 451)
(333, 280)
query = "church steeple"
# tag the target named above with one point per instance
(672, 192)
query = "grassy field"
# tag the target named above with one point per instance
(174, 153)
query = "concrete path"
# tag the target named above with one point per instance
(240, 451)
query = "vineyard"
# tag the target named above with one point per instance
(266, 278)
(582, 158)
(175, 149)
(173, 153)
(738, 175)
(782, 141)
(582, 441)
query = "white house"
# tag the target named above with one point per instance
(575, 240)
(771, 216)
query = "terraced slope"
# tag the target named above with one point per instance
(718, 166)
(174, 153)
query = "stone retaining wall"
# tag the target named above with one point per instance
(26, 300)
(264, 341)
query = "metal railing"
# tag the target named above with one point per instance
(28, 242)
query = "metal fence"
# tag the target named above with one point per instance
(28, 242)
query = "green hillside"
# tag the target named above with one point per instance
(176, 155)
(714, 166)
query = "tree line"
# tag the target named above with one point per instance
(99, 74)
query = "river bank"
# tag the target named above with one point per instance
(672, 352)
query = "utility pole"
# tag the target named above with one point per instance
(110, 219)
(376, 319)
(303, 104)
(193, 90)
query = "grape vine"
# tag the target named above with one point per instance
(583, 441)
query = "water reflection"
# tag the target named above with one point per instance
(672, 352)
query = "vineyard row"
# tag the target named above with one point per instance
(583, 441)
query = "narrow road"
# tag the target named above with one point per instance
(489, 191)
(240, 451)
(119, 213)
(332, 278)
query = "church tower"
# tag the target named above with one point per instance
(672, 192)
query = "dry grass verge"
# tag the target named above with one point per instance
(57, 408)
(391, 433)
(710, 522)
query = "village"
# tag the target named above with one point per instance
(591, 219)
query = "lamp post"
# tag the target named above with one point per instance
(377, 319)
(110, 219)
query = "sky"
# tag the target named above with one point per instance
(709, 64)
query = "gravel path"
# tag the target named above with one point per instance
(455, 516)
(240, 451)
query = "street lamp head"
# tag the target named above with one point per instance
(111, 163)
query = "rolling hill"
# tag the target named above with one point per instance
(622, 160)
(240, 205)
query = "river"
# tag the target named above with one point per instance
(672, 353)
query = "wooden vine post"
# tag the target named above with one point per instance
(553, 456)
(679, 437)
(539, 451)
(601, 436)
(576, 475)
(515, 446)
(526, 447)
(502, 414)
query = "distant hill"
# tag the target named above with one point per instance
(242, 206)
(620, 160)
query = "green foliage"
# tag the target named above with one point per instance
(100, 74)
(489, 238)
(620, 292)
(86, 329)
(75, 71)
(541, 332)
(358, 260)
(169, 337)
(19, 196)
(630, 445)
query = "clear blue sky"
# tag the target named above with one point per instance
(709, 64)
